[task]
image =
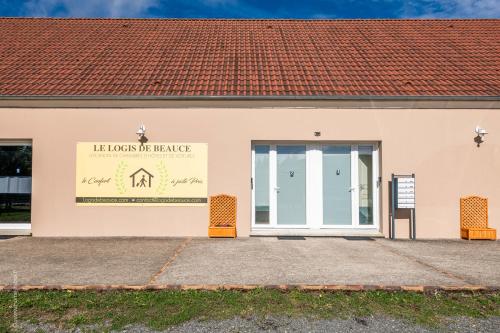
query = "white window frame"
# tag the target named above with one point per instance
(314, 184)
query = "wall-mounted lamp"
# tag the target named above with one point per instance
(481, 132)
(141, 133)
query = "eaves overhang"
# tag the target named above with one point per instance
(283, 101)
(253, 97)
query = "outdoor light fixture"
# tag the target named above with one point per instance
(481, 132)
(141, 133)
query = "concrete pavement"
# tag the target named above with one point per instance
(53, 261)
(248, 261)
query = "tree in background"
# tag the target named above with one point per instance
(15, 161)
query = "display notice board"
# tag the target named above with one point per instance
(405, 192)
(403, 197)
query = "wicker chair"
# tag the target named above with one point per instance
(222, 216)
(474, 219)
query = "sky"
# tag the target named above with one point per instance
(307, 9)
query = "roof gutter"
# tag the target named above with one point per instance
(351, 102)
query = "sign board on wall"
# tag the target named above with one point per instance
(135, 174)
(405, 192)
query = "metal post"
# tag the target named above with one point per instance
(392, 223)
(414, 207)
(414, 224)
(410, 225)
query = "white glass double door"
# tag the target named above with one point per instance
(315, 185)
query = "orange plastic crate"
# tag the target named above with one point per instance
(487, 233)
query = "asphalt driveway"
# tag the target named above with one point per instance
(247, 261)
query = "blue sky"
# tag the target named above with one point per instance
(310, 9)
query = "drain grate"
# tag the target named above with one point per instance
(358, 238)
(291, 238)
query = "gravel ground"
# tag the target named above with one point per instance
(254, 324)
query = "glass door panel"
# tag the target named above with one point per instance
(365, 176)
(339, 190)
(291, 184)
(15, 183)
(262, 184)
(337, 204)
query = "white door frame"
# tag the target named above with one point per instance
(314, 184)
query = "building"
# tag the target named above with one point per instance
(304, 121)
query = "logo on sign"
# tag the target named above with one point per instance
(141, 178)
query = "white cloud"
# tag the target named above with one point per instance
(240, 8)
(452, 8)
(476, 8)
(88, 8)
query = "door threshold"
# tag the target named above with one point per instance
(317, 232)
(15, 232)
(15, 229)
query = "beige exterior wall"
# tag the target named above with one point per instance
(435, 144)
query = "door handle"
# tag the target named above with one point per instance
(277, 189)
(352, 189)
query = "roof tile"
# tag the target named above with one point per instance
(158, 57)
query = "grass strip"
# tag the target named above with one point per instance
(161, 309)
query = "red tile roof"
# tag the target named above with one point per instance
(151, 57)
